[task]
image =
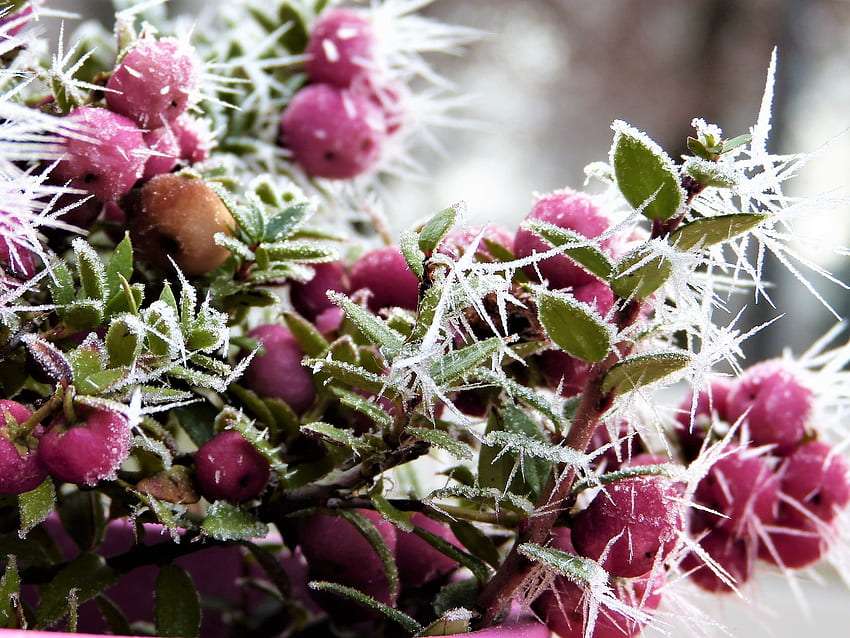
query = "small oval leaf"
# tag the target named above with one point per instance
(642, 369)
(710, 231)
(631, 281)
(590, 257)
(574, 326)
(178, 607)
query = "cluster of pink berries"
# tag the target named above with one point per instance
(337, 126)
(777, 496)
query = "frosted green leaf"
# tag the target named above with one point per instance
(444, 441)
(178, 606)
(35, 506)
(226, 522)
(710, 231)
(360, 598)
(574, 326)
(588, 256)
(643, 369)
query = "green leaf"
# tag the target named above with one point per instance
(281, 225)
(573, 326)
(448, 625)
(360, 598)
(83, 314)
(120, 265)
(459, 594)
(123, 343)
(99, 382)
(576, 568)
(358, 402)
(336, 436)
(444, 441)
(311, 340)
(113, 616)
(372, 327)
(88, 574)
(402, 520)
(197, 421)
(739, 140)
(478, 567)
(91, 270)
(256, 406)
(645, 174)
(374, 538)
(699, 149)
(413, 255)
(496, 473)
(461, 362)
(35, 506)
(590, 257)
(226, 522)
(710, 231)
(708, 173)
(629, 282)
(178, 606)
(643, 369)
(526, 396)
(10, 591)
(667, 470)
(477, 542)
(61, 285)
(436, 228)
(84, 518)
(353, 376)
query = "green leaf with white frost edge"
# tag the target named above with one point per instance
(35, 506)
(178, 606)
(646, 176)
(88, 574)
(461, 362)
(372, 327)
(588, 256)
(368, 530)
(631, 281)
(576, 568)
(574, 326)
(710, 231)
(226, 522)
(367, 601)
(436, 228)
(642, 369)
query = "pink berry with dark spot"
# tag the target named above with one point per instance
(332, 132)
(341, 47)
(278, 373)
(730, 552)
(165, 152)
(643, 512)
(89, 452)
(569, 209)
(797, 541)
(385, 273)
(21, 469)
(154, 82)
(111, 158)
(194, 137)
(457, 241)
(709, 403)
(818, 478)
(776, 402)
(311, 298)
(337, 552)
(742, 487)
(418, 562)
(229, 468)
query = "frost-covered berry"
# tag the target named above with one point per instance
(796, 541)
(178, 216)
(166, 149)
(109, 160)
(154, 81)
(21, 469)
(456, 242)
(14, 21)
(643, 512)
(332, 132)
(194, 137)
(744, 488)
(278, 372)
(88, 452)
(418, 562)
(691, 437)
(596, 294)
(776, 402)
(818, 478)
(385, 274)
(310, 298)
(393, 99)
(337, 552)
(229, 468)
(341, 47)
(559, 368)
(15, 259)
(628, 445)
(568, 209)
(730, 552)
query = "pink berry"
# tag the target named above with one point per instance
(229, 468)
(568, 209)
(619, 453)
(333, 133)
(112, 158)
(385, 274)
(691, 437)
(194, 137)
(472, 402)
(164, 143)
(21, 469)
(15, 258)
(743, 488)
(456, 242)
(154, 81)
(392, 98)
(776, 402)
(329, 320)
(337, 552)
(341, 47)
(643, 512)
(596, 294)
(518, 630)
(560, 368)
(15, 21)
(644, 459)
(89, 452)
(796, 539)
(418, 562)
(818, 478)
(279, 373)
(311, 298)
(727, 551)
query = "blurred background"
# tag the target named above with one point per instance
(549, 78)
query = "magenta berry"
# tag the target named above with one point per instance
(13, 22)
(21, 469)
(112, 158)
(618, 454)
(596, 294)
(341, 47)
(456, 242)
(742, 487)
(15, 259)
(333, 133)
(329, 320)
(568, 209)
(560, 368)
(194, 138)
(336, 551)
(818, 478)
(796, 540)
(89, 452)
(386, 275)
(154, 82)
(691, 437)
(727, 551)
(392, 99)
(643, 512)
(418, 562)
(776, 402)
(310, 298)
(166, 149)
(278, 373)
(229, 468)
